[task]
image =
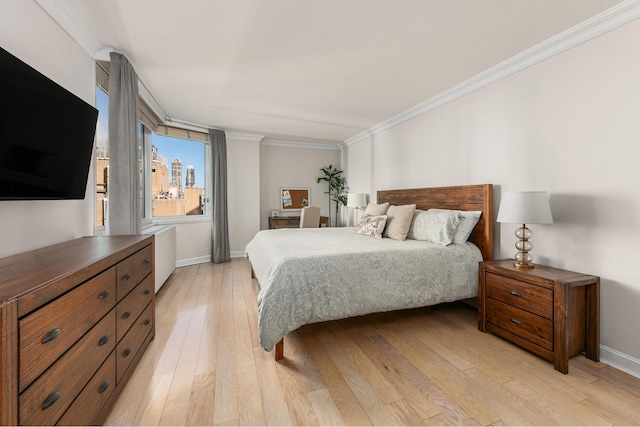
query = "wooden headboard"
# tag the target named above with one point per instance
(464, 197)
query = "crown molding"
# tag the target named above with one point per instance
(612, 18)
(66, 16)
(301, 144)
(239, 136)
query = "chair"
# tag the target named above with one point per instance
(310, 217)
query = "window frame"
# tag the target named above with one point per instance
(179, 219)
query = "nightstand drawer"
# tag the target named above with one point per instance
(534, 329)
(529, 297)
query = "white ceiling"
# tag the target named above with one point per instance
(316, 70)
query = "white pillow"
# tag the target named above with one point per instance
(468, 221)
(399, 221)
(435, 225)
(374, 209)
(371, 225)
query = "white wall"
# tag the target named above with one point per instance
(244, 192)
(193, 239)
(293, 167)
(27, 32)
(569, 125)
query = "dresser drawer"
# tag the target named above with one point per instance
(48, 332)
(132, 270)
(532, 328)
(132, 341)
(529, 297)
(132, 305)
(52, 393)
(88, 404)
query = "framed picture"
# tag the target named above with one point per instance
(275, 213)
(294, 198)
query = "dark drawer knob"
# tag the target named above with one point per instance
(105, 385)
(51, 335)
(126, 277)
(147, 261)
(103, 295)
(103, 340)
(147, 291)
(146, 322)
(126, 315)
(515, 293)
(53, 397)
(516, 321)
(126, 352)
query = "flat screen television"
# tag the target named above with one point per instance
(46, 136)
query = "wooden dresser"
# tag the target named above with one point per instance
(292, 222)
(551, 312)
(75, 319)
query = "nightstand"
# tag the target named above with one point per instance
(551, 312)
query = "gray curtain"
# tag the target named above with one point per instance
(220, 251)
(124, 169)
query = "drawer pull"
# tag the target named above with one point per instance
(51, 335)
(126, 277)
(105, 385)
(516, 321)
(147, 261)
(515, 293)
(103, 340)
(126, 314)
(53, 397)
(147, 291)
(126, 352)
(146, 322)
(103, 295)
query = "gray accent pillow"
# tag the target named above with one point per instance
(435, 225)
(398, 221)
(468, 220)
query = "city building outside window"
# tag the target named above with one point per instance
(102, 156)
(177, 176)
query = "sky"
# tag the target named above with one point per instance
(189, 152)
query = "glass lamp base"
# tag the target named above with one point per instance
(522, 257)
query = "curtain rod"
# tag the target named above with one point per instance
(198, 126)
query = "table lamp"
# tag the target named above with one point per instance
(524, 207)
(356, 201)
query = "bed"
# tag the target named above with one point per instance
(315, 275)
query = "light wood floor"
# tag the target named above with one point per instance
(426, 366)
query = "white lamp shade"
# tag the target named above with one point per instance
(356, 200)
(525, 207)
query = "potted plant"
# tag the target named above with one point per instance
(337, 188)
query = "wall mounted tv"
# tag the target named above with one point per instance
(46, 136)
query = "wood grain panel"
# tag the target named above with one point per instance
(522, 323)
(466, 197)
(535, 299)
(133, 269)
(68, 375)
(71, 315)
(93, 397)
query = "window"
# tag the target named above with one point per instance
(177, 173)
(172, 162)
(102, 156)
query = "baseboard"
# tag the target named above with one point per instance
(202, 259)
(192, 261)
(619, 360)
(237, 254)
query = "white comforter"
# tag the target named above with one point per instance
(314, 275)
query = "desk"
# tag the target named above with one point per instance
(292, 222)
